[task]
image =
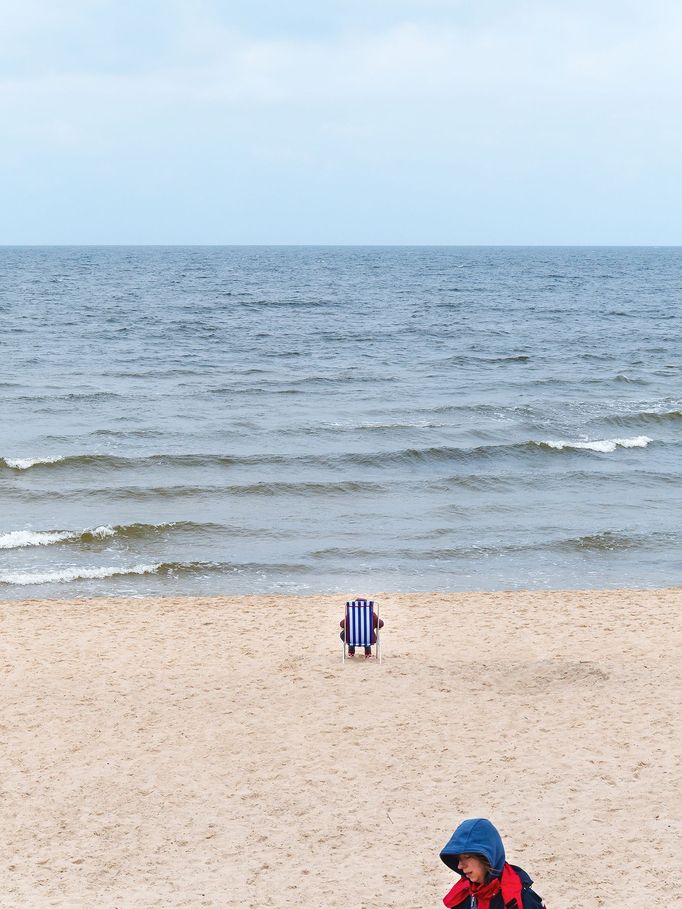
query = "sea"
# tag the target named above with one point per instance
(263, 420)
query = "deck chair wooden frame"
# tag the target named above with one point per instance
(358, 626)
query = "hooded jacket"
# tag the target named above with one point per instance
(478, 836)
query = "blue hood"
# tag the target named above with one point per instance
(476, 836)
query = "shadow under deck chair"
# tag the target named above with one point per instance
(358, 627)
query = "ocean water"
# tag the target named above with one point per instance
(209, 420)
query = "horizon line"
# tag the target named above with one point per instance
(344, 245)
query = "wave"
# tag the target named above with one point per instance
(611, 541)
(615, 540)
(120, 462)
(25, 463)
(169, 569)
(143, 494)
(69, 397)
(473, 359)
(378, 459)
(605, 446)
(73, 574)
(603, 541)
(629, 380)
(376, 427)
(20, 539)
(337, 487)
(479, 482)
(606, 541)
(449, 453)
(644, 417)
(129, 433)
(116, 462)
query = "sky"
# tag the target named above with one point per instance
(325, 122)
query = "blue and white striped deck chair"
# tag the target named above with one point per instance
(358, 626)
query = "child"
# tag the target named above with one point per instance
(476, 852)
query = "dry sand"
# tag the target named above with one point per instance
(215, 752)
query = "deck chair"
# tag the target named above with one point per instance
(357, 626)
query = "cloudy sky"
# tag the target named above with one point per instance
(341, 121)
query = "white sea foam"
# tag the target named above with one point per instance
(18, 539)
(25, 463)
(605, 446)
(102, 532)
(72, 574)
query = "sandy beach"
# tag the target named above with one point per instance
(216, 752)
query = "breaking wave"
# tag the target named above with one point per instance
(117, 462)
(605, 446)
(72, 574)
(171, 569)
(20, 539)
(25, 463)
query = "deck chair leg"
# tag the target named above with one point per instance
(344, 639)
(378, 635)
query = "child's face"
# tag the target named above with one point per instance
(472, 867)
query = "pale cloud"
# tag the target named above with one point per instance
(545, 48)
(499, 91)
